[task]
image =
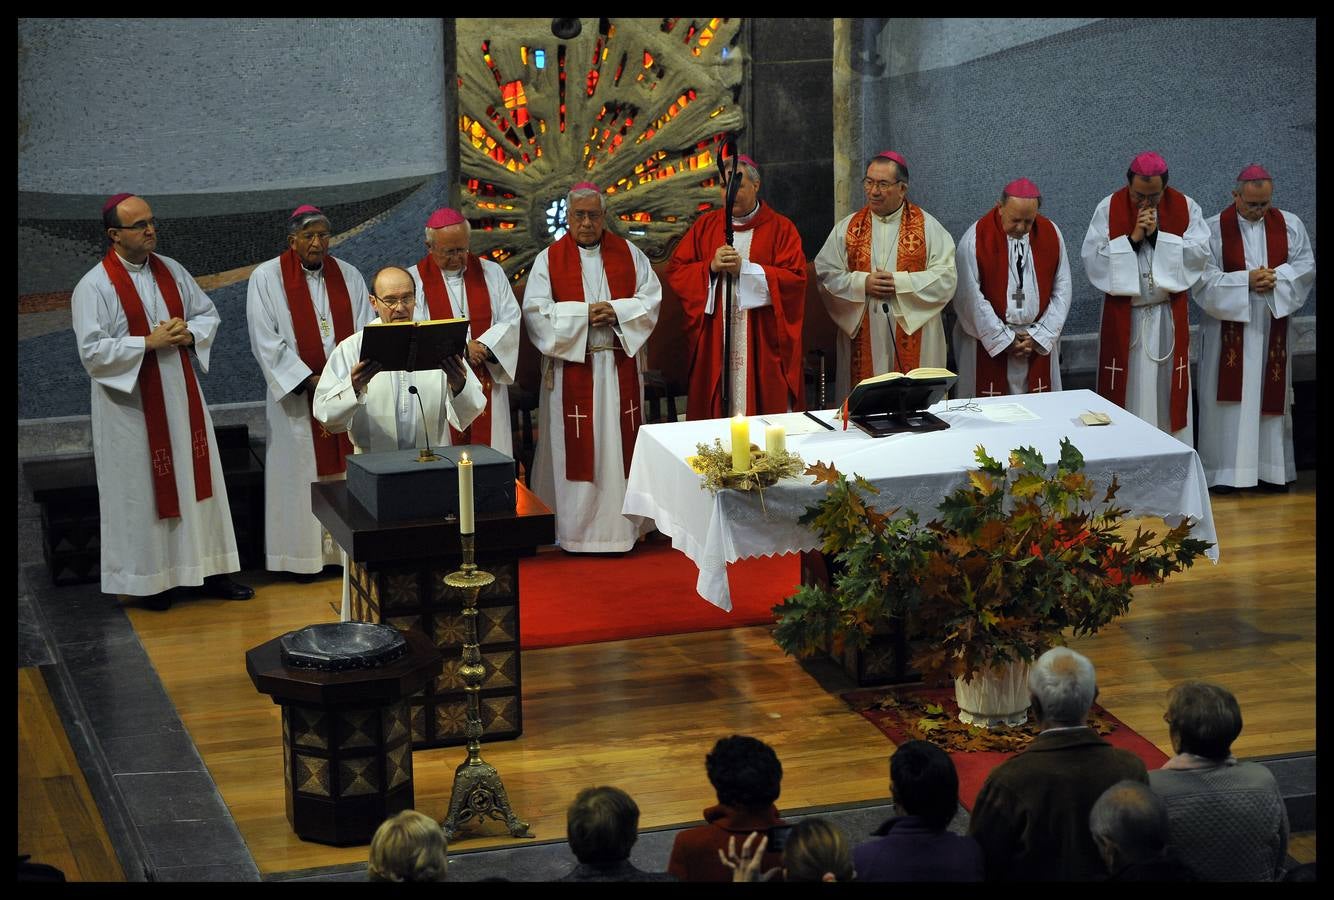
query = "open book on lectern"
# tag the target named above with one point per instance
(896, 402)
(413, 346)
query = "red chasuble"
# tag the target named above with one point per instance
(911, 258)
(150, 388)
(773, 348)
(993, 273)
(1273, 394)
(1114, 343)
(330, 449)
(479, 321)
(567, 284)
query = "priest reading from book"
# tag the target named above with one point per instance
(1145, 248)
(452, 282)
(375, 406)
(590, 304)
(1012, 298)
(298, 307)
(887, 272)
(767, 267)
(1259, 273)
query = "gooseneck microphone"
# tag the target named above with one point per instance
(423, 455)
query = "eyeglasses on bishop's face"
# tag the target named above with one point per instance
(881, 186)
(139, 226)
(396, 302)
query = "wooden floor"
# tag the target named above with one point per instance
(58, 822)
(641, 714)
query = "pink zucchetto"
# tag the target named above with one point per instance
(1023, 189)
(305, 209)
(1148, 164)
(1254, 172)
(444, 217)
(893, 156)
(585, 186)
(116, 200)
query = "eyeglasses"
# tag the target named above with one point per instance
(881, 186)
(1145, 198)
(453, 251)
(1256, 207)
(313, 237)
(397, 302)
(583, 215)
(138, 226)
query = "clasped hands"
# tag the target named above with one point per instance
(879, 285)
(727, 260)
(171, 333)
(1023, 346)
(1145, 224)
(601, 313)
(1263, 279)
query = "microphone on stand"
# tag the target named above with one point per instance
(423, 455)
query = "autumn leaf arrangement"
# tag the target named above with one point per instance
(1016, 556)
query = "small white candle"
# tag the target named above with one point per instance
(740, 444)
(465, 495)
(775, 439)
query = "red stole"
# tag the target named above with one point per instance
(150, 388)
(911, 258)
(479, 322)
(567, 284)
(993, 271)
(330, 449)
(1114, 343)
(1273, 394)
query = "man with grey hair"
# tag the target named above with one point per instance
(1259, 272)
(452, 282)
(1031, 816)
(1229, 822)
(1129, 826)
(591, 302)
(298, 307)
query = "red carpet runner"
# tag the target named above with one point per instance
(581, 599)
(974, 766)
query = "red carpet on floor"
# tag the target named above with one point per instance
(571, 598)
(974, 766)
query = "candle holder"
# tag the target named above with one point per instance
(478, 791)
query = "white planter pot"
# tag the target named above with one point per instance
(994, 696)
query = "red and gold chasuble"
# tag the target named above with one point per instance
(330, 449)
(993, 272)
(911, 258)
(150, 388)
(479, 322)
(1114, 343)
(567, 284)
(1273, 394)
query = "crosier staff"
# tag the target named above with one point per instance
(727, 155)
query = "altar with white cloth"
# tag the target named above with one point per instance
(1159, 475)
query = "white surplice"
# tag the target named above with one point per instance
(977, 319)
(588, 513)
(502, 339)
(142, 554)
(1149, 277)
(919, 297)
(1237, 444)
(294, 540)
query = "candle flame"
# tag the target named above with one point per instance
(464, 458)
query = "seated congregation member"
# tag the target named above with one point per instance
(747, 776)
(814, 849)
(602, 825)
(915, 846)
(1228, 819)
(1031, 816)
(1129, 825)
(408, 846)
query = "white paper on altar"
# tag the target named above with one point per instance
(1009, 412)
(1159, 476)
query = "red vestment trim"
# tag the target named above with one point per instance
(479, 322)
(1273, 393)
(993, 272)
(911, 258)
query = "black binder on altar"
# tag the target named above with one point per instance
(895, 402)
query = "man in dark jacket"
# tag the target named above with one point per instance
(602, 825)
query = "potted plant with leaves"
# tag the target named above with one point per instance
(1016, 556)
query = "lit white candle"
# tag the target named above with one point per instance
(775, 439)
(740, 444)
(465, 495)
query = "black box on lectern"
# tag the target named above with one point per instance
(895, 403)
(395, 487)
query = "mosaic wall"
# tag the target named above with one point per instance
(974, 103)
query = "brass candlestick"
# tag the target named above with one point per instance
(478, 790)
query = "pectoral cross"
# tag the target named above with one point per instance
(161, 461)
(576, 416)
(1114, 368)
(324, 327)
(1018, 295)
(1181, 372)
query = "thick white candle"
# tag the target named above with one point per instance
(775, 439)
(740, 444)
(465, 495)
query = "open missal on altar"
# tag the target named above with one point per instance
(411, 346)
(896, 402)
